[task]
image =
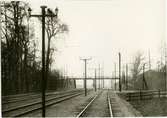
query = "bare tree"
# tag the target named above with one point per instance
(137, 64)
(14, 38)
(15, 41)
(20, 65)
(54, 27)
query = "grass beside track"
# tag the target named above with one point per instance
(153, 107)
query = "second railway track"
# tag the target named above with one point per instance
(24, 97)
(33, 106)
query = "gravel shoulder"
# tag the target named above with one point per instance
(149, 108)
(123, 108)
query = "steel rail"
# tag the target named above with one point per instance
(109, 105)
(86, 107)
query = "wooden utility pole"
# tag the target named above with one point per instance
(115, 76)
(143, 76)
(126, 77)
(161, 64)
(103, 75)
(144, 86)
(149, 72)
(85, 82)
(111, 79)
(149, 58)
(99, 76)
(123, 75)
(95, 81)
(43, 15)
(165, 67)
(120, 87)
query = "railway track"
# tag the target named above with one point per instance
(21, 110)
(104, 104)
(98, 106)
(116, 111)
(23, 97)
(15, 103)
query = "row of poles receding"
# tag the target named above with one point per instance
(99, 68)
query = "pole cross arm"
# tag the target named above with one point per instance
(47, 15)
(35, 15)
(50, 15)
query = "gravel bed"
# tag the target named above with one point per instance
(68, 108)
(99, 108)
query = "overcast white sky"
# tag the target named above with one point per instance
(101, 28)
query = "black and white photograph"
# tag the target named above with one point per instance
(83, 58)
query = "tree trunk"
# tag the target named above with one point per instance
(25, 70)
